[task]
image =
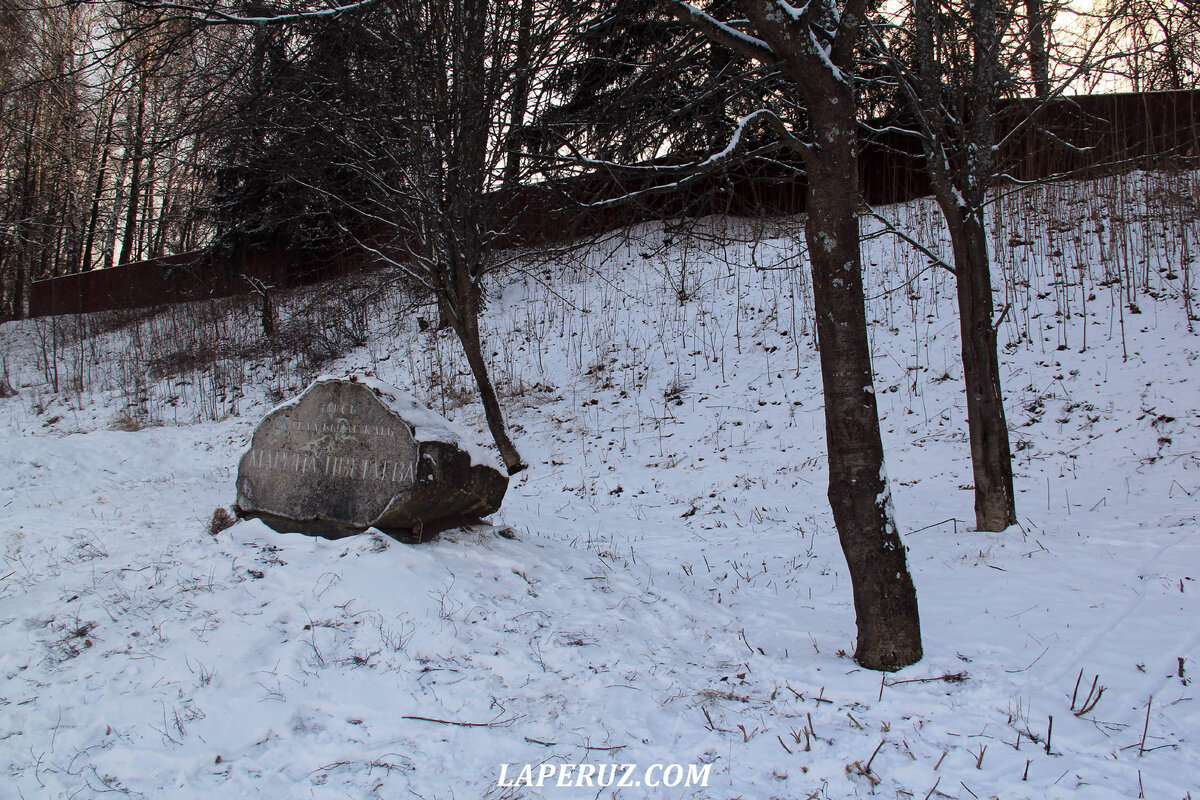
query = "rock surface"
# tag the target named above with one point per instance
(355, 453)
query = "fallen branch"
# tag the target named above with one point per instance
(503, 723)
(949, 677)
(531, 740)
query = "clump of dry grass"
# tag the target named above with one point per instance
(221, 520)
(6, 387)
(125, 422)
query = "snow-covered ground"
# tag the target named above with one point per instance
(664, 585)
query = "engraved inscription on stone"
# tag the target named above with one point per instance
(320, 446)
(342, 457)
(338, 454)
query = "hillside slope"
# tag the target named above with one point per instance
(663, 585)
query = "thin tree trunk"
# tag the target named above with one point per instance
(20, 298)
(141, 249)
(520, 98)
(114, 215)
(25, 236)
(467, 328)
(135, 180)
(146, 218)
(166, 209)
(1039, 59)
(131, 210)
(97, 196)
(7, 291)
(991, 456)
(461, 299)
(72, 250)
(961, 167)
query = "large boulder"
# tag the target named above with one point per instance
(355, 453)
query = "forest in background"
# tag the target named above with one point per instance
(138, 130)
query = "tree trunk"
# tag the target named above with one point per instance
(135, 181)
(131, 210)
(467, 328)
(94, 217)
(885, 600)
(1039, 59)
(268, 314)
(814, 49)
(461, 299)
(20, 294)
(991, 456)
(148, 211)
(514, 140)
(26, 209)
(961, 167)
(109, 246)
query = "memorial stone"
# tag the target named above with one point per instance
(354, 453)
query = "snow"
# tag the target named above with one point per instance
(736, 139)
(702, 19)
(214, 15)
(664, 584)
(794, 13)
(822, 50)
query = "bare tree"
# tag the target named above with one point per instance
(97, 139)
(814, 46)
(438, 195)
(961, 67)
(1154, 44)
(41, 147)
(954, 84)
(403, 120)
(1038, 25)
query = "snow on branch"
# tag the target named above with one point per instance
(215, 16)
(723, 33)
(797, 13)
(888, 129)
(772, 119)
(824, 52)
(787, 139)
(694, 171)
(889, 227)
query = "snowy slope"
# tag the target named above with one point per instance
(663, 585)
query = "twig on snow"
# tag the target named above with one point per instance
(502, 723)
